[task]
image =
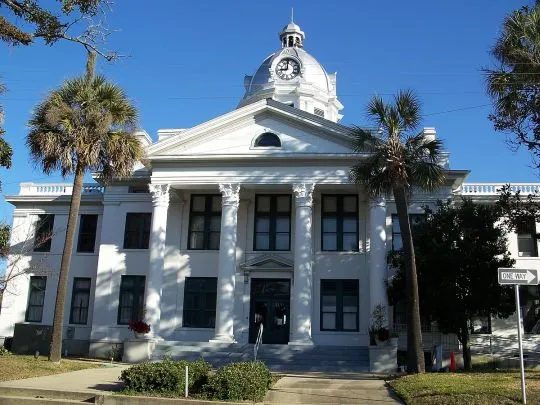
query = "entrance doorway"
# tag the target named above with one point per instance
(270, 306)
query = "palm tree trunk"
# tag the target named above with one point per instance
(415, 349)
(58, 321)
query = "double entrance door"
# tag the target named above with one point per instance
(270, 306)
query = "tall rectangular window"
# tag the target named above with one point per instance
(131, 305)
(44, 232)
(200, 295)
(272, 222)
(205, 222)
(400, 318)
(80, 299)
(397, 241)
(87, 233)
(36, 299)
(526, 237)
(339, 305)
(339, 223)
(137, 230)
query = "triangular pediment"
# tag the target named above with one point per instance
(267, 262)
(233, 134)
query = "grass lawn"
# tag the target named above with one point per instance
(15, 367)
(482, 388)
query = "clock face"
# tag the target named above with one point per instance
(287, 68)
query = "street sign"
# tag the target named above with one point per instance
(518, 276)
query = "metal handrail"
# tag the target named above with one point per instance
(258, 342)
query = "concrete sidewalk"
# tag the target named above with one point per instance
(94, 380)
(305, 388)
(324, 388)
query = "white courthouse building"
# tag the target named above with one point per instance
(245, 219)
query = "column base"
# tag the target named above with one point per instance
(223, 339)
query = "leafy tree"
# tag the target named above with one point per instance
(54, 21)
(399, 159)
(5, 150)
(515, 85)
(68, 20)
(516, 207)
(86, 124)
(459, 249)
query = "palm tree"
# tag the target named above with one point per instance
(399, 160)
(86, 124)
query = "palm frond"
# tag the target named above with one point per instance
(364, 140)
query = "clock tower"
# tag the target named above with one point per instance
(294, 77)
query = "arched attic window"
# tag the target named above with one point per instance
(267, 139)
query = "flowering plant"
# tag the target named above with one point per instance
(139, 326)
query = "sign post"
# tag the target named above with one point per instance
(519, 277)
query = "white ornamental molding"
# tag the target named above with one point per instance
(304, 194)
(230, 193)
(160, 194)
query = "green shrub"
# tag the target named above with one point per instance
(166, 376)
(240, 381)
(4, 351)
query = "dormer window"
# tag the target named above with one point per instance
(267, 139)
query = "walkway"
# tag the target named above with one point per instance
(330, 388)
(305, 388)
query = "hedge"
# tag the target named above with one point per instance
(166, 376)
(240, 381)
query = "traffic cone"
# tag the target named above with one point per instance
(452, 361)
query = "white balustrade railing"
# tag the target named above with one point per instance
(472, 189)
(57, 189)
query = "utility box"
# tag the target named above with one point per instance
(29, 338)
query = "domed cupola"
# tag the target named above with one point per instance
(294, 77)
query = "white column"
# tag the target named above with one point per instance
(158, 232)
(377, 253)
(227, 263)
(302, 302)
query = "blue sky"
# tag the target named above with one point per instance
(186, 61)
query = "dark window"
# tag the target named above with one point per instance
(268, 139)
(130, 307)
(80, 299)
(530, 307)
(397, 242)
(272, 222)
(137, 230)
(44, 231)
(205, 222)
(526, 235)
(339, 305)
(36, 298)
(480, 325)
(200, 302)
(339, 223)
(87, 233)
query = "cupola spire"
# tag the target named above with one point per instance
(292, 35)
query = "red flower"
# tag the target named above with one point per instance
(139, 326)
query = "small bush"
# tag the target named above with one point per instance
(166, 376)
(4, 351)
(240, 381)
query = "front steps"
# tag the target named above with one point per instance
(282, 358)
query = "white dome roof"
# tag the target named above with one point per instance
(312, 72)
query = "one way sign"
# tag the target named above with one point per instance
(518, 276)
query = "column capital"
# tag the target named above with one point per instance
(230, 193)
(303, 193)
(160, 194)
